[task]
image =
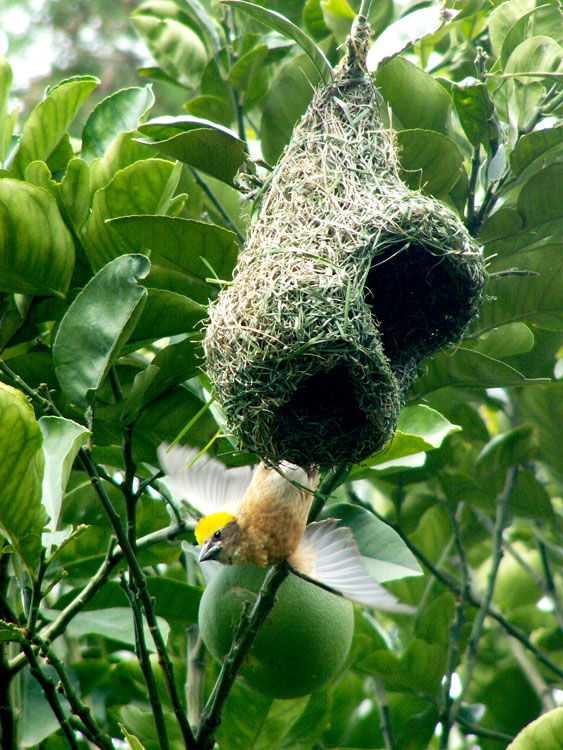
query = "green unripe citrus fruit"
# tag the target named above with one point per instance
(300, 646)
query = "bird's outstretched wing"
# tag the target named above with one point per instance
(207, 485)
(328, 554)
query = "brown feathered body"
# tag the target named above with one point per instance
(271, 518)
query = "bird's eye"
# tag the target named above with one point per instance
(217, 534)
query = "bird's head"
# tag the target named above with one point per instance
(219, 536)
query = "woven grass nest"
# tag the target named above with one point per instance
(347, 281)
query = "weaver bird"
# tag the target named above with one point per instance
(260, 517)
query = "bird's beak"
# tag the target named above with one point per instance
(208, 551)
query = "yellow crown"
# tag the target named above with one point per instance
(209, 524)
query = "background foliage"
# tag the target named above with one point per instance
(111, 244)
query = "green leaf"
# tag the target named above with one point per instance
(75, 192)
(247, 68)
(505, 341)
(535, 145)
(183, 242)
(21, 471)
(279, 23)
(145, 187)
(118, 112)
(536, 299)
(532, 204)
(36, 248)
(287, 99)
(50, 120)
(539, 55)
(174, 601)
(433, 623)
(545, 733)
(132, 742)
(173, 41)
(415, 97)
(507, 449)
(503, 18)
(475, 110)
(419, 429)
(7, 119)
(466, 369)
(97, 325)
(123, 151)
(175, 363)
(543, 408)
(62, 439)
(203, 144)
(252, 721)
(386, 556)
(409, 29)
(115, 623)
(419, 668)
(430, 161)
(165, 314)
(313, 19)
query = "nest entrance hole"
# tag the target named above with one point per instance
(412, 295)
(326, 403)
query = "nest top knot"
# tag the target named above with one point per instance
(347, 280)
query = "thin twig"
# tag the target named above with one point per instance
(89, 728)
(216, 203)
(50, 692)
(549, 584)
(502, 502)
(454, 586)
(144, 662)
(332, 479)
(386, 723)
(454, 629)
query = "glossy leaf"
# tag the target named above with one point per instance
(415, 97)
(466, 369)
(169, 34)
(507, 449)
(279, 23)
(36, 248)
(7, 119)
(475, 110)
(202, 144)
(287, 99)
(430, 161)
(407, 30)
(21, 471)
(531, 202)
(115, 623)
(145, 187)
(503, 18)
(183, 242)
(165, 314)
(534, 145)
(50, 120)
(75, 191)
(539, 54)
(543, 408)
(123, 151)
(97, 325)
(62, 439)
(118, 112)
(544, 733)
(537, 299)
(418, 668)
(386, 556)
(175, 363)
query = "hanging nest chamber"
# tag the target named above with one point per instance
(347, 281)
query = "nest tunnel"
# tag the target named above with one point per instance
(415, 298)
(324, 405)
